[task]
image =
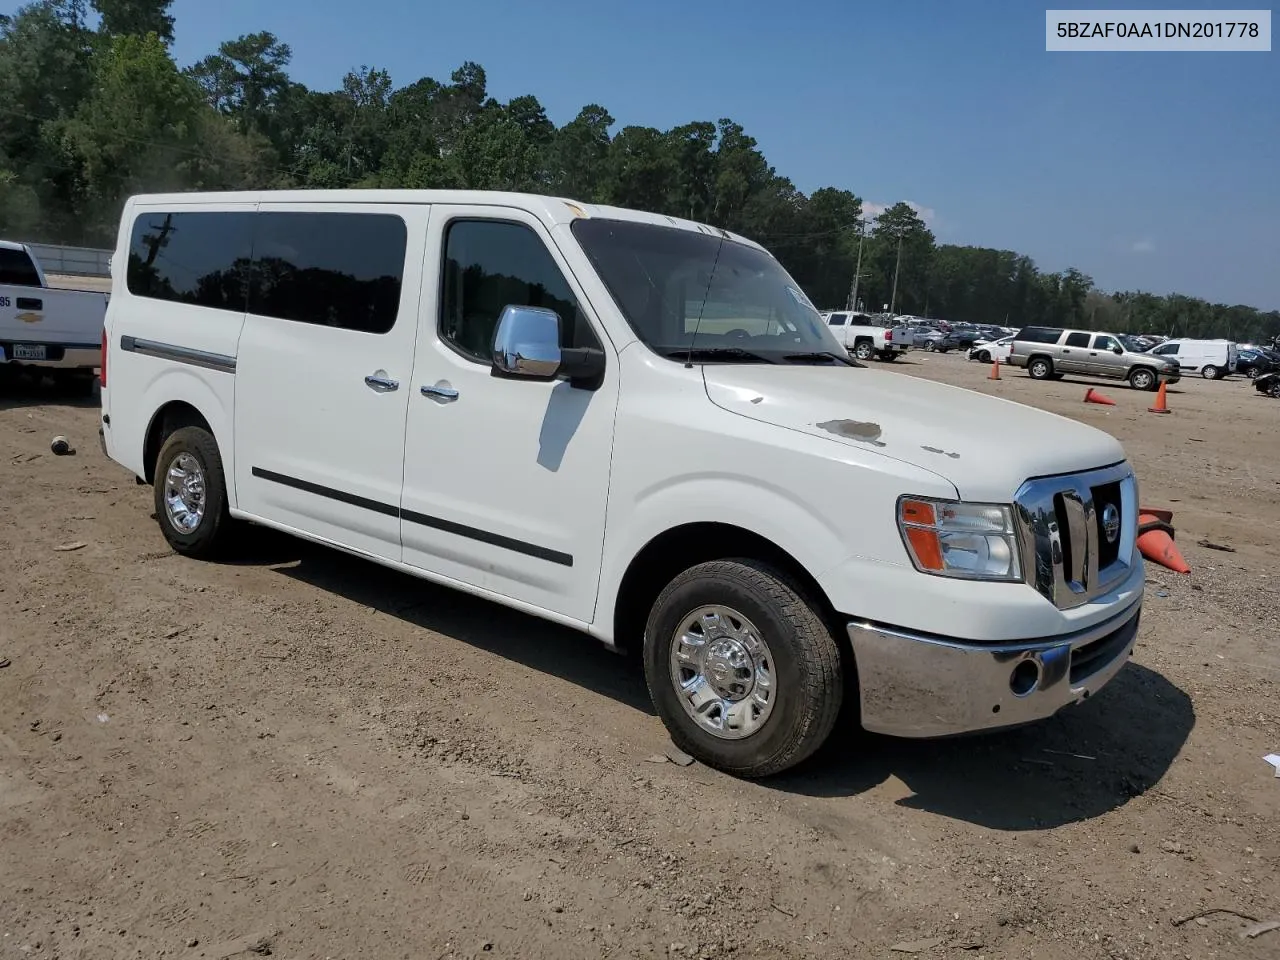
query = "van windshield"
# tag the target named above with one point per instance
(704, 298)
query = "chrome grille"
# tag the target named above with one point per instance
(1064, 549)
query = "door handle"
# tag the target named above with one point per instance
(447, 394)
(381, 383)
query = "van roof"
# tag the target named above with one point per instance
(553, 211)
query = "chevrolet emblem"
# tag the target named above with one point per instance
(30, 317)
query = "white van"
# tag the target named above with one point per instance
(1212, 359)
(632, 425)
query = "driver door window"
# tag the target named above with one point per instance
(490, 264)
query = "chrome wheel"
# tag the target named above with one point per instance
(723, 672)
(184, 493)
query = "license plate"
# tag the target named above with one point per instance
(27, 351)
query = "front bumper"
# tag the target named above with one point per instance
(921, 685)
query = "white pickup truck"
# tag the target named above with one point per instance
(631, 425)
(865, 338)
(59, 331)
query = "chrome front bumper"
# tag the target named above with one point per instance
(918, 685)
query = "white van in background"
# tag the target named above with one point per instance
(1212, 359)
(632, 425)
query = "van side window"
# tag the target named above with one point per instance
(1077, 340)
(17, 269)
(200, 259)
(489, 264)
(333, 269)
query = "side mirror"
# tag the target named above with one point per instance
(526, 344)
(1118, 350)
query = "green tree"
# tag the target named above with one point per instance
(136, 18)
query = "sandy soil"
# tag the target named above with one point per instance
(306, 755)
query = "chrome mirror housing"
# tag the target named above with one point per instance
(526, 342)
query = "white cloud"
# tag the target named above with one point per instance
(927, 214)
(1143, 246)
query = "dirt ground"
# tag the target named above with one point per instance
(306, 755)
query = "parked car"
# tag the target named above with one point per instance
(1049, 353)
(989, 350)
(1254, 361)
(54, 331)
(935, 341)
(1212, 359)
(631, 425)
(1268, 383)
(865, 338)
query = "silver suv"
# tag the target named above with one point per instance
(1049, 353)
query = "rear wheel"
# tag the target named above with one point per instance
(863, 350)
(1142, 379)
(1040, 368)
(1210, 372)
(1252, 373)
(742, 669)
(191, 493)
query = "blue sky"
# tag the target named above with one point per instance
(1146, 171)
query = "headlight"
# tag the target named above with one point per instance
(971, 541)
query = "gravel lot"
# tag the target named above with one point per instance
(307, 755)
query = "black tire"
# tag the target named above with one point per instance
(1210, 372)
(1143, 379)
(1040, 368)
(1252, 373)
(888, 356)
(211, 533)
(984, 356)
(806, 666)
(1275, 389)
(863, 350)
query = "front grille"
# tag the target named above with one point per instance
(1108, 495)
(1062, 524)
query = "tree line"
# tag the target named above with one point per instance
(93, 108)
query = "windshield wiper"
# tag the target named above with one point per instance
(821, 356)
(717, 353)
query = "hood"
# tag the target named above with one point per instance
(984, 445)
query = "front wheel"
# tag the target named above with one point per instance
(191, 493)
(1252, 373)
(1142, 379)
(742, 669)
(930, 347)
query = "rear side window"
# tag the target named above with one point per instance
(16, 268)
(200, 259)
(333, 269)
(838, 319)
(1039, 334)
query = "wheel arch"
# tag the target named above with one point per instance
(681, 547)
(170, 417)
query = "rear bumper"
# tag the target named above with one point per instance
(921, 685)
(68, 357)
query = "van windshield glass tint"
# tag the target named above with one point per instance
(682, 290)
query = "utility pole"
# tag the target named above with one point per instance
(893, 300)
(857, 271)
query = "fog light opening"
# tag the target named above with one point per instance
(1025, 678)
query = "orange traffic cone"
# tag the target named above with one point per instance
(1155, 540)
(1093, 396)
(1162, 405)
(995, 369)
